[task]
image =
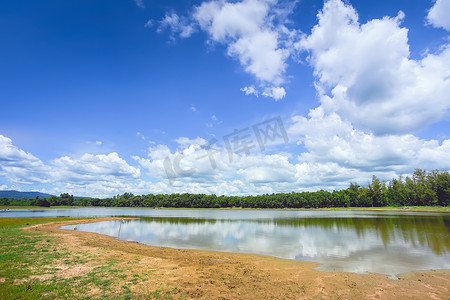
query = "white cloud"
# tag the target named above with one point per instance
(177, 25)
(19, 166)
(94, 167)
(141, 136)
(3, 187)
(331, 140)
(184, 141)
(214, 121)
(139, 3)
(149, 23)
(254, 32)
(438, 16)
(88, 175)
(256, 173)
(274, 168)
(12, 156)
(253, 174)
(276, 93)
(248, 29)
(364, 72)
(250, 90)
(144, 138)
(336, 154)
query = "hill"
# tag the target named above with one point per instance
(11, 194)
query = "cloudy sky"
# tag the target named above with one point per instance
(227, 97)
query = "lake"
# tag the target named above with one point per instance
(385, 242)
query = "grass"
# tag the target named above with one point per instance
(23, 257)
(31, 264)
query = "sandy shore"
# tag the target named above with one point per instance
(215, 275)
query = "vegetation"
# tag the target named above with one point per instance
(422, 189)
(36, 265)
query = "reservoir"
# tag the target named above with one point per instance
(387, 242)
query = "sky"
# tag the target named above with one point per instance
(98, 98)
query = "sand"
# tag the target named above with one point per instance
(196, 274)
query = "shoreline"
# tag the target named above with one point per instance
(210, 274)
(441, 209)
(318, 264)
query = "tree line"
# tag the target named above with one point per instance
(421, 189)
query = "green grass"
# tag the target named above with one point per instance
(24, 256)
(29, 263)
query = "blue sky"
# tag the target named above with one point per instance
(103, 97)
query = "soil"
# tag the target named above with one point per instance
(195, 274)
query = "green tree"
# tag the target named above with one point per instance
(443, 189)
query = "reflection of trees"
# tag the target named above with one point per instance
(181, 220)
(430, 231)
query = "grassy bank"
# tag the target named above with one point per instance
(24, 256)
(35, 265)
(40, 261)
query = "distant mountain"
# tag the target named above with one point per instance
(30, 195)
(20, 195)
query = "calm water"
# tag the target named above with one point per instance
(354, 241)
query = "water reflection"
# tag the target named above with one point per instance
(389, 244)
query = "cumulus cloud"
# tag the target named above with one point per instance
(438, 16)
(372, 97)
(248, 29)
(331, 140)
(252, 174)
(250, 90)
(98, 175)
(266, 169)
(336, 153)
(254, 33)
(276, 93)
(178, 26)
(19, 166)
(194, 172)
(364, 73)
(91, 167)
(198, 141)
(93, 175)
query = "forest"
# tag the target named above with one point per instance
(421, 189)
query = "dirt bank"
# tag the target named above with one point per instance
(213, 275)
